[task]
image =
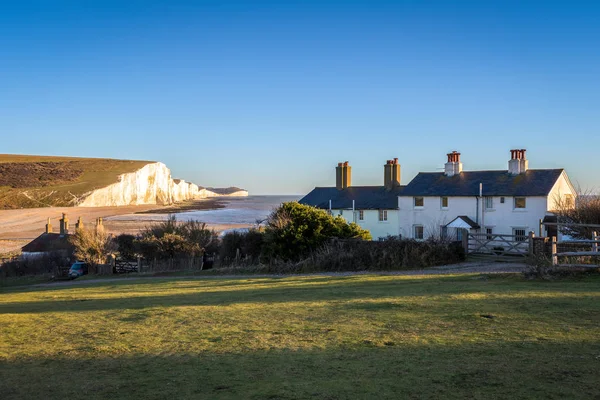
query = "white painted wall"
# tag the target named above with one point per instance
(371, 222)
(561, 188)
(502, 218)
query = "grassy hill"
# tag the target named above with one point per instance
(42, 181)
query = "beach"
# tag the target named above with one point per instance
(18, 227)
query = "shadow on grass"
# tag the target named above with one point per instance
(503, 370)
(201, 293)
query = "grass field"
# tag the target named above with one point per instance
(355, 337)
(40, 181)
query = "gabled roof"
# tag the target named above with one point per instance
(48, 242)
(462, 221)
(365, 197)
(534, 182)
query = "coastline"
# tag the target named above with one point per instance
(18, 227)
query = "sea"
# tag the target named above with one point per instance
(249, 210)
(238, 210)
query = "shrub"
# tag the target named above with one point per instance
(294, 231)
(170, 239)
(92, 246)
(389, 254)
(247, 245)
(51, 263)
(126, 246)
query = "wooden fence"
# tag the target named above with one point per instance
(594, 243)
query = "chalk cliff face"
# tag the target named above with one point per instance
(151, 184)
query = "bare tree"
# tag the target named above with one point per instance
(584, 209)
(92, 246)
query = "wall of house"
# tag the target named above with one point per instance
(371, 222)
(561, 188)
(502, 218)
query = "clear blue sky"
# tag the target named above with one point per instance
(271, 95)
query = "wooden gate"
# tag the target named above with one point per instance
(498, 246)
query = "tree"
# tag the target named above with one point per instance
(584, 210)
(294, 230)
(92, 246)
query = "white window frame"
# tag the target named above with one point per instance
(489, 202)
(442, 202)
(361, 215)
(489, 231)
(383, 215)
(415, 232)
(415, 202)
(518, 236)
(515, 203)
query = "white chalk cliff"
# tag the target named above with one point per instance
(152, 184)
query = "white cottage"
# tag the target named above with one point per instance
(374, 208)
(508, 201)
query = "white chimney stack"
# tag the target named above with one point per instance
(518, 163)
(453, 166)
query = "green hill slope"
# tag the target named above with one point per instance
(42, 181)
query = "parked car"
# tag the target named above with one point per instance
(78, 269)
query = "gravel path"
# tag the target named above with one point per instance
(467, 267)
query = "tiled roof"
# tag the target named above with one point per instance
(534, 182)
(365, 197)
(48, 242)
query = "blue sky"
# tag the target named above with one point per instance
(271, 95)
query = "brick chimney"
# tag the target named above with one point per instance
(453, 166)
(79, 224)
(518, 163)
(64, 225)
(391, 174)
(48, 226)
(343, 176)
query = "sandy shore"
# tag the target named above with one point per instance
(17, 227)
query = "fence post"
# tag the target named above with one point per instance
(541, 227)
(554, 247)
(465, 240)
(139, 264)
(531, 249)
(595, 238)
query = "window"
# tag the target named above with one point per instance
(361, 215)
(419, 202)
(489, 231)
(501, 200)
(418, 231)
(569, 203)
(382, 215)
(459, 234)
(444, 202)
(520, 202)
(520, 235)
(489, 203)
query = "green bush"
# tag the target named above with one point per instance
(295, 230)
(241, 246)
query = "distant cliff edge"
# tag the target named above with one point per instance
(38, 181)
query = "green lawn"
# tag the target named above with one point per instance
(356, 337)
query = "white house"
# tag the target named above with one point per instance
(374, 208)
(508, 201)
